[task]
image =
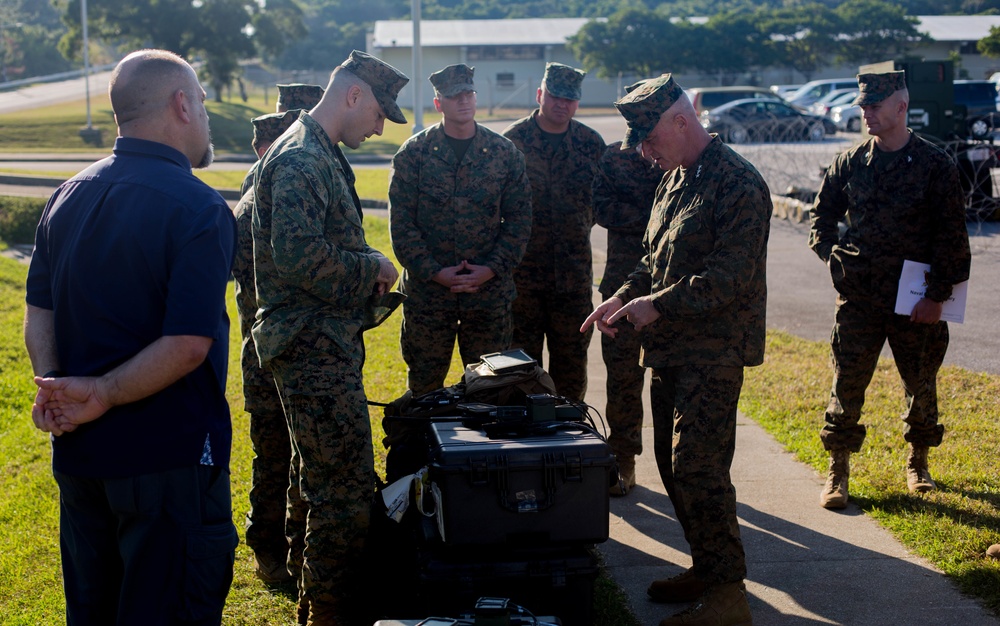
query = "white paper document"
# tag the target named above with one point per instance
(913, 285)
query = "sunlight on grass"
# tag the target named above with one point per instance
(951, 527)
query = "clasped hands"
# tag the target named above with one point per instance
(464, 277)
(62, 404)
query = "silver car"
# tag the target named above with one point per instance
(846, 117)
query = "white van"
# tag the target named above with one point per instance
(816, 89)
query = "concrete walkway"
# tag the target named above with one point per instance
(806, 565)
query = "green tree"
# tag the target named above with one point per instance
(803, 37)
(990, 44)
(29, 31)
(874, 30)
(220, 31)
(631, 42)
(335, 28)
(733, 44)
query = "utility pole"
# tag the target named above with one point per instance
(88, 133)
(417, 82)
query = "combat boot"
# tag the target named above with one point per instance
(323, 614)
(720, 605)
(834, 495)
(684, 587)
(918, 477)
(272, 569)
(626, 477)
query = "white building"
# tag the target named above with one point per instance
(510, 55)
(959, 33)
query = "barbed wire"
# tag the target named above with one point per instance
(793, 166)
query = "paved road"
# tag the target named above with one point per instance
(801, 298)
(45, 94)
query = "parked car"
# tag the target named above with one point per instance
(832, 99)
(979, 99)
(755, 120)
(816, 89)
(846, 117)
(784, 90)
(706, 98)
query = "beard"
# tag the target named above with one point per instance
(207, 158)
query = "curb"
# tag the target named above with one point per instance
(26, 180)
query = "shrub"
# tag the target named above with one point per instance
(18, 218)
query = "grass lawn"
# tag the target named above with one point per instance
(55, 128)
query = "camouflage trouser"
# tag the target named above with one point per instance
(554, 319)
(857, 339)
(694, 427)
(427, 341)
(265, 523)
(624, 388)
(332, 465)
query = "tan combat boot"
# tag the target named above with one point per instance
(626, 477)
(834, 495)
(918, 477)
(272, 569)
(684, 587)
(720, 605)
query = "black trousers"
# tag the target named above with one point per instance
(154, 549)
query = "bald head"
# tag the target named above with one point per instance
(684, 107)
(349, 112)
(342, 79)
(142, 84)
(156, 96)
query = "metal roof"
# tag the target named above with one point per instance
(957, 27)
(434, 33)
(555, 31)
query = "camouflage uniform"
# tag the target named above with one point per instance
(315, 276)
(706, 254)
(902, 205)
(624, 189)
(266, 129)
(555, 278)
(443, 211)
(265, 522)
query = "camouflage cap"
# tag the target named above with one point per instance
(563, 81)
(267, 128)
(384, 79)
(874, 88)
(635, 85)
(379, 307)
(453, 80)
(298, 96)
(644, 105)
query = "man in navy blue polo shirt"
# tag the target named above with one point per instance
(127, 332)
